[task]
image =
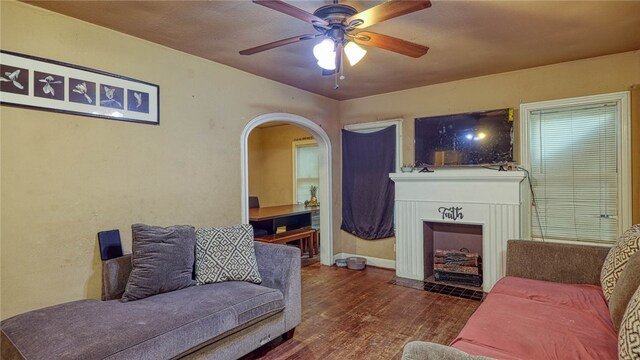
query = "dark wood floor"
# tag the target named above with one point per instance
(357, 315)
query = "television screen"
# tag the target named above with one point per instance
(478, 138)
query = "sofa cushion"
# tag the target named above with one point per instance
(157, 327)
(625, 288)
(622, 250)
(588, 298)
(162, 260)
(629, 337)
(540, 320)
(226, 254)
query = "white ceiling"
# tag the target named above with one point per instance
(466, 38)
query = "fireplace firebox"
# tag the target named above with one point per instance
(453, 253)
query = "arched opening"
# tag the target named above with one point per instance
(325, 189)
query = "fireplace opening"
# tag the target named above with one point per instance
(453, 254)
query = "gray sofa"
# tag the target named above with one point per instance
(214, 321)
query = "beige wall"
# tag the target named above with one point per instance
(578, 78)
(270, 163)
(66, 177)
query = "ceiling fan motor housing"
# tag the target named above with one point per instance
(335, 15)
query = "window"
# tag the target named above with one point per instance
(577, 154)
(305, 169)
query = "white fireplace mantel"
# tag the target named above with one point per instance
(481, 196)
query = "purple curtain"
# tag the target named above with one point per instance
(367, 191)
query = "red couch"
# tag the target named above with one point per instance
(533, 319)
(537, 311)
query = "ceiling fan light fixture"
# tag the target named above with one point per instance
(354, 52)
(325, 54)
(328, 63)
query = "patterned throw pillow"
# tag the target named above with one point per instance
(617, 259)
(629, 335)
(627, 284)
(226, 254)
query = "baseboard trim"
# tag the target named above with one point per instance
(373, 261)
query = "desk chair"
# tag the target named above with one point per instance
(253, 204)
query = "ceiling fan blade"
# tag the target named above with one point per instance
(390, 43)
(278, 43)
(291, 10)
(388, 10)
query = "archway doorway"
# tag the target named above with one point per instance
(325, 188)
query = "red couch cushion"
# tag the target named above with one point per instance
(533, 319)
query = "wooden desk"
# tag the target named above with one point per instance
(295, 216)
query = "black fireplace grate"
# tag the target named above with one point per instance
(440, 288)
(453, 291)
(458, 278)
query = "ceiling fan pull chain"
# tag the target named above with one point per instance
(341, 65)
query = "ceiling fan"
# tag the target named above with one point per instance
(340, 25)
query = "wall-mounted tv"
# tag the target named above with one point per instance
(477, 138)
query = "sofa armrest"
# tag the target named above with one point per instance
(115, 275)
(563, 263)
(279, 267)
(421, 350)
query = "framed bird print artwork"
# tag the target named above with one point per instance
(43, 84)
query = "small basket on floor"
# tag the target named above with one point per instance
(356, 263)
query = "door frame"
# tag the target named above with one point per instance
(325, 188)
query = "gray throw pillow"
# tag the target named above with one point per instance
(226, 254)
(162, 260)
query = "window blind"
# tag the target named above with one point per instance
(573, 159)
(307, 173)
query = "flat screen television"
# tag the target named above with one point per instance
(477, 138)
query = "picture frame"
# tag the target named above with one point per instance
(44, 84)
